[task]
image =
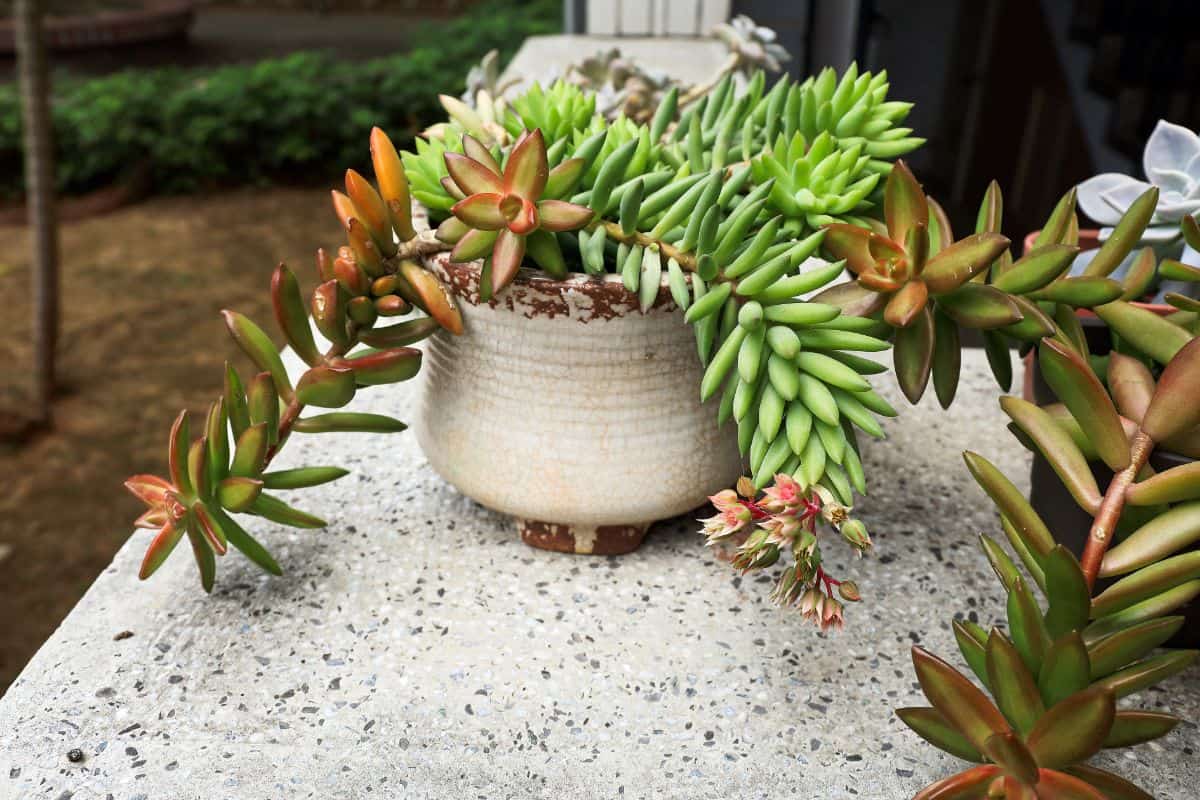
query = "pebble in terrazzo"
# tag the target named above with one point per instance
(417, 649)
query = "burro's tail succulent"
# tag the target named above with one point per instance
(1058, 674)
(224, 469)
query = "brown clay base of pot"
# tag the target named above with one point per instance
(605, 540)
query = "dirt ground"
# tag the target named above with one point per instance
(141, 339)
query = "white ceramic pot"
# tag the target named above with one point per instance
(565, 406)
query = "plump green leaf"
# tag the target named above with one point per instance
(276, 510)
(1056, 227)
(1147, 582)
(1147, 673)
(1066, 591)
(1074, 729)
(302, 477)
(912, 354)
(1084, 291)
(1011, 503)
(1166, 533)
(1126, 646)
(259, 348)
(1012, 684)
(349, 422)
(291, 315)
(328, 387)
(1066, 669)
(1157, 606)
(237, 494)
(1081, 391)
(933, 728)
(1125, 235)
(1174, 408)
(1027, 626)
(1144, 330)
(976, 305)
(1136, 727)
(958, 263)
(960, 703)
(1036, 269)
(1057, 448)
(1179, 484)
(247, 545)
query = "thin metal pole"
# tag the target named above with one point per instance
(39, 197)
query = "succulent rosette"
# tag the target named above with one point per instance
(1171, 162)
(507, 212)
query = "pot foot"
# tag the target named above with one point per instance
(602, 540)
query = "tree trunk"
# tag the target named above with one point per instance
(39, 196)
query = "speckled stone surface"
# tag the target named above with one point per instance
(416, 648)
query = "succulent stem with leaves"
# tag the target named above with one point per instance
(376, 276)
(1057, 674)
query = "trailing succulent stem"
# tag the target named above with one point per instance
(1056, 675)
(376, 276)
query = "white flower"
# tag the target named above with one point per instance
(1171, 161)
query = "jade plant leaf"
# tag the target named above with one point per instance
(1074, 729)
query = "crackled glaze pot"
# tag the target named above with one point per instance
(565, 406)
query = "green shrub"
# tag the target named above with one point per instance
(279, 119)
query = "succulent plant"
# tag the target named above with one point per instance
(753, 46)
(224, 469)
(1057, 675)
(1171, 162)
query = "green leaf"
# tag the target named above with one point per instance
(276, 510)
(972, 643)
(1007, 750)
(1066, 669)
(958, 263)
(263, 404)
(291, 316)
(328, 387)
(246, 544)
(302, 477)
(1156, 606)
(1174, 408)
(206, 562)
(160, 547)
(975, 305)
(1025, 623)
(1002, 565)
(1012, 504)
(1166, 533)
(999, 359)
(1126, 646)
(1081, 391)
(1019, 545)
(1057, 448)
(259, 348)
(1147, 673)
(237, 493)
(1066, 592)
(1140, 275)
(1074, 729)
(947, 358)
(250, 452)
(1125, 235)
(384, 366)
(1144, 330)
(933, 728)
(960, 703)
(1056, 227)
(1136, 727)
(403, 334)
(349, 422)
(1012, 684)
(1036, 269)
(235, 401)
(1080, 292)
(912, 355)
(1147, 582)
(904, 203)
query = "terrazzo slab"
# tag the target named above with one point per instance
(416, 648)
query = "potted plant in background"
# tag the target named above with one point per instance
(1057, 674)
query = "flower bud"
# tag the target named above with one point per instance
(745, 487)
(855, 532)
(849, 591)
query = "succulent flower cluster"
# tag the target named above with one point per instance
(785, 519)
(1057, 674)
(224, 470)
